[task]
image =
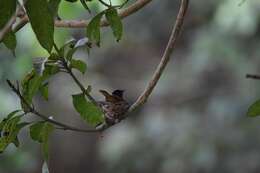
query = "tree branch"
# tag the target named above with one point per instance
(44, 117)
(165, 58)
(253, 76)
(84, 23)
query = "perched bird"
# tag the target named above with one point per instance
(114, 106)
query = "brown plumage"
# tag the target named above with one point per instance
(114, 106)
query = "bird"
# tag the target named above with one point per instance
(114, 107)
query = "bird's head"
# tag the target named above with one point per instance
(118, 93)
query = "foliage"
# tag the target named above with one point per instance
(42, 15)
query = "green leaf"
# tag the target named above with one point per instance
(44, 89)
(84, 4)
(71, 0)
(10, 41)
(49, 71)
(54, 6)
(54, 57)
(115, 22)
(88, 111)
(10, 115)
(42, 22)
(32, 87)
(40, 131)
(10, 131)
(7, 9)
(79, 65)
(254, 109)
(93, 29)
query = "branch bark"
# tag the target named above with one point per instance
(165, 58)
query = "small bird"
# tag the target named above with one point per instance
(114, 106)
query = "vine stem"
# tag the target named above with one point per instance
(165, 58)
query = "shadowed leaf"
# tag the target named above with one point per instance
(79, 65)
(93, 29)
(42, 22)
(115, 22)
(87, 110)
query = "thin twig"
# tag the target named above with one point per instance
(84, 91)
(69, 71)
(165, 58)
(44, 117)
(105, 4)
(253, 76)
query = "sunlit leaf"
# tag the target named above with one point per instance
(115, 22)
(88, 111)
(10, 131)
(254, 109)
(42, 22)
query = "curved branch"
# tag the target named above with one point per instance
(165, 58)
(83, 23)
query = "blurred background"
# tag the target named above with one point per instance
(195, 121)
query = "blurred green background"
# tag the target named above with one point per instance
(195, 120)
